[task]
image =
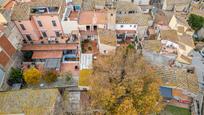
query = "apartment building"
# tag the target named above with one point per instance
(39, 20)
(41, 27)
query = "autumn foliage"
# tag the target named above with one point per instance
(125, 84)
(50, 76)
(32, 76)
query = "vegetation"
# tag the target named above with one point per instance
(15, 76)
(32, 76)
(50, 76)
(124, 84)
(84, 77)
(196, 22)
(173, 110)
(27, 55)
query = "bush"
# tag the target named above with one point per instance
(27, 55)
(32, 76)
(68, 76)
(196, 22)
(15, 76)
(50, 76)
(90, 48)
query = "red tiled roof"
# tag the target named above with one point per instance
(46, 54)
(7, 46)
(4, 59)
(50, 47)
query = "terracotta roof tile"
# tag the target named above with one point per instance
(7, 46)
(4, 59)
(47, 54)
(49, 47)
(107, 37)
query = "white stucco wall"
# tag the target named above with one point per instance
(105, 49)
(69, 26)
(126, 27)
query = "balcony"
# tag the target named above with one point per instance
(44, 10)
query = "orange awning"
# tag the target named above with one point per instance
(47, 54)
(50, 47)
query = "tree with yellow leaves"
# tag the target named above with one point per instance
(123, 83)
(32, 76)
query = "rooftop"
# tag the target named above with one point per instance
(140, 19)
(187, 40)
(25, 7)
(93, 17)
(170, 35)
(29, 101)
(53, 47)
(107, 37)
(127, 6)
(47, 54)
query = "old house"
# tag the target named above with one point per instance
(106, 41)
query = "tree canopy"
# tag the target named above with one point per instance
(50, 76)
(196, 22)
(32, 75)
(125, 84)
(15, 76)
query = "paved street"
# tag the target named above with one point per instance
(198, 62)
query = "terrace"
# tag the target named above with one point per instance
(89, 46)
(62, 39)
(44, 10)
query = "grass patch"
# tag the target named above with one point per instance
(84, 77)
(173, 110)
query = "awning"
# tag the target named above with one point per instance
(47, 54)
(52, 63)
(49, 47)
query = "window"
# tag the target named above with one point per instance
(130, 25)
(88, 28)
(39, 23)
(44, 34)
(95, 27)
(22, 27)
(54, 23)
(28, 37)
(121, 26)
(57, 34)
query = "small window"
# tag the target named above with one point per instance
(104, 51)
(39, 23)
(22, 27)
(57, 34)
(44, 34)
(121, 26)
(28, 37)
(111, 14)
(54, 23)
(130, 25)
(134, 26)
